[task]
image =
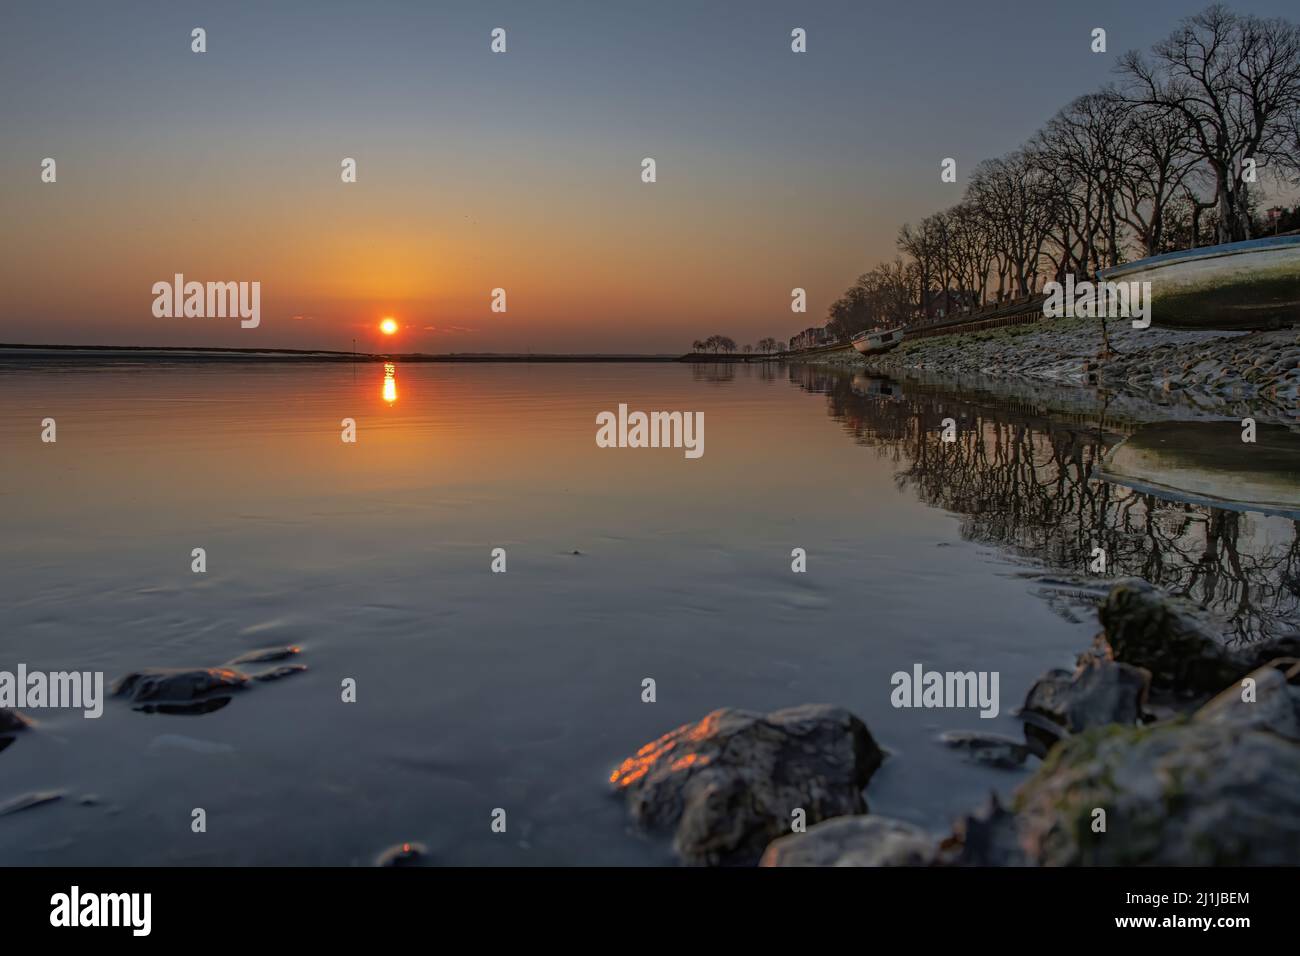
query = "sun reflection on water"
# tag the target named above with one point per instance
(390, 382)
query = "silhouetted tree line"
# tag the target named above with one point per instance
(721, 343)
(1168, 157)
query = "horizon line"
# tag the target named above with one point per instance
(341, 356)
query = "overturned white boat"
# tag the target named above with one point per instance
(1237, 285)
(1207, 463)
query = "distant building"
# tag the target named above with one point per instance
(941, 303)
(1273, 216)
(811, 338)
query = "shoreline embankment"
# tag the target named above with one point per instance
(1222, 374)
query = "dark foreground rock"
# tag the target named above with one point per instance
(729, 784)
(987, 836)
(854, 841)
(1097, 693)
(1220, 789)
(1174, 795)
(1176, 640)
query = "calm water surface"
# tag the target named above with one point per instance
(480, 690)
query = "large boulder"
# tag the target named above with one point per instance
(1219, 787)
(1177, 641)
(1188, 793)
(729, 784)
(1170, 636)
(854, 841)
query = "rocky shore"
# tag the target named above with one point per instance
(1165, 745)
(1217, 373)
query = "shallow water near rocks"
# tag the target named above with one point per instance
(522, 690)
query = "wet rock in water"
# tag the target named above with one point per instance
(29, 800)
(12, 721)
(201, 690)
(993, 750)
(1176, 641)
(1187, 793)
(868, 840)
(988, 836)
(730, 783)
(1271, 702)
(168, 689)
(266, 655)
(1099, 692)
(404, 854)
(277, 673)
(1171, 637)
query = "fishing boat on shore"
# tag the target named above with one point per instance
(876, 341)
(1237, 285)
(1207, 463)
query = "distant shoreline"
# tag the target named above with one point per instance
(83, 354)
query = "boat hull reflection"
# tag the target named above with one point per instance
(1207, 463)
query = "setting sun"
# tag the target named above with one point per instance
(388, 326)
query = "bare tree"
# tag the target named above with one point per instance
(921, 244)
(1158, 168)
(1086, 142)
(973, 249)
(1016, 198)
(1235, 79)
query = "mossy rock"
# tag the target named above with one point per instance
(1186, 793)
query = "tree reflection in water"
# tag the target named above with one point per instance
(1021, 481)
